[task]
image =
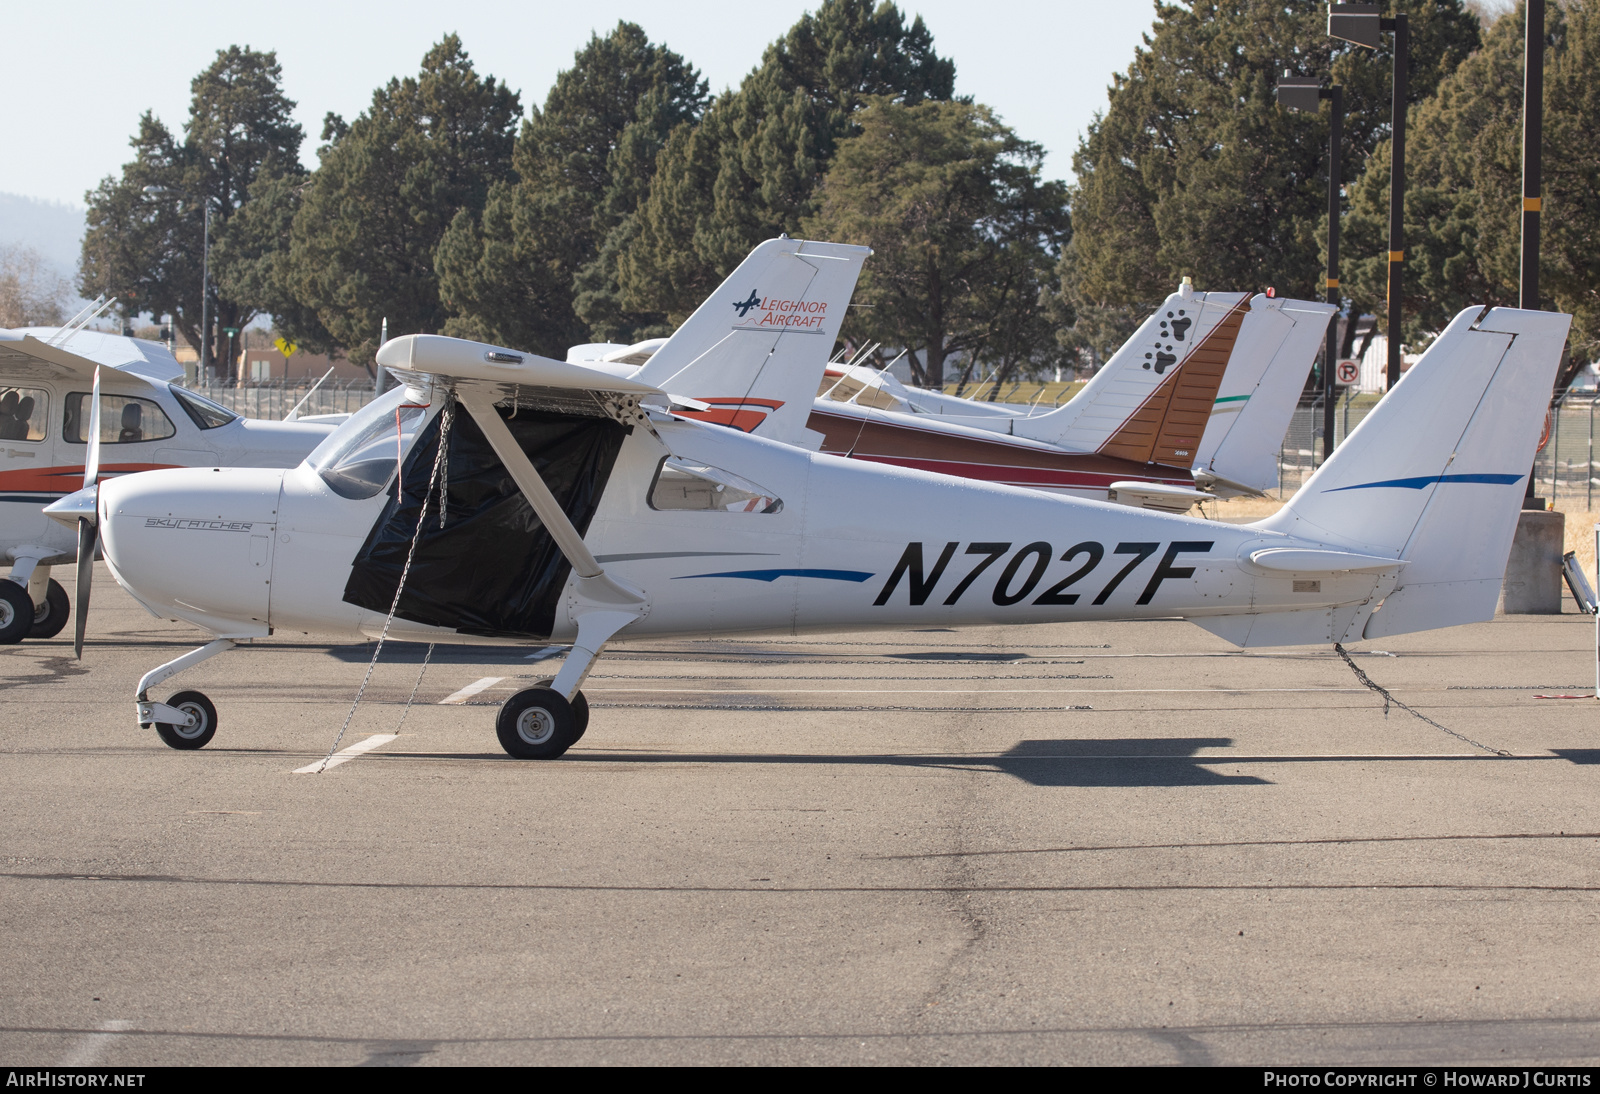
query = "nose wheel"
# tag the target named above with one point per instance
(202, 725)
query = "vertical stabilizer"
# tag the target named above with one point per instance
(1137, 403)
(1434, 475)
(755, 350)
(1277, 343)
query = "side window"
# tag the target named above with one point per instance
(681, 484)
(124, 419)
(23, 413)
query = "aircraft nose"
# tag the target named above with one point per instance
(195, 543)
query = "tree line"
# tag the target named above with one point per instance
(610, 211)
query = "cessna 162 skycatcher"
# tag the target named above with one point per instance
(541, 501)
(147, 420)
(1193, 407)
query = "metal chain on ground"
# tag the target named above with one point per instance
(414, 688)
(1367, 681)
(394, 606)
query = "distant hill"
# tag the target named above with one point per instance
(54, 229)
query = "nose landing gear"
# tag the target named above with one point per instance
(188, 720)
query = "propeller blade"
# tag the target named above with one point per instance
(88, 535)
(91, 458)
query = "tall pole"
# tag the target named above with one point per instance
(1397, 190)
(1331, 354)
(1532, 176)
(1532, 151)
(205, 294)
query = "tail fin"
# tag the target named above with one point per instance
(1434, 475)
(755, 351)
(1276, 345)
(1152, 400)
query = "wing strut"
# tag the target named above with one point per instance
(601, 604)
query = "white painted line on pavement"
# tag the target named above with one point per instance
(345, 755)
(470, 690)
(89, 1048)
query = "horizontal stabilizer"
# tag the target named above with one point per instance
(1155, 495)
(1301, 560)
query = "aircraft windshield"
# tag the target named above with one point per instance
(206, 414)
(359, 458)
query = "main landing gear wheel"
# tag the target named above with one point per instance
(537, 724)
(580, 707)
(16, 612)
(49, 619)
(190, 737)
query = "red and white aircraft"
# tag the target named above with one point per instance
(147, 421)
(1194, 406)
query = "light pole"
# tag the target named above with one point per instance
(1532, 179)
(205, 274)
(1360, 24)
(1306, 95)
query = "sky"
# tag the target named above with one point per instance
(76, 80)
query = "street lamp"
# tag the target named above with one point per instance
(1360, 24)
(1306, 95)
(205, 275)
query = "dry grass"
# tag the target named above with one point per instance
(1579, 528)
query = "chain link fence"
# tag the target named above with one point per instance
(274, 399)
(1565, 471)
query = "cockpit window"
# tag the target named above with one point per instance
(359, 458)
(23, 413)
(124, 419)
(686, 484)
(206, 414)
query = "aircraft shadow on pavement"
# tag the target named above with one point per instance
(1121, 761)
(412, 653)
(1579, 755)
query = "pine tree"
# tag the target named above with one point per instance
(1194, 169)
(750, 169)
(146, 229)
(389, 186)
(1464, 185)
(534, 270)
(964, 235)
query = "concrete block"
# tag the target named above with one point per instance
(1533, 571)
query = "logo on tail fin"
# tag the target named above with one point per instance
(744, 306)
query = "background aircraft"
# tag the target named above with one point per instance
(542, 501)
(147, 421)
(1195, 405)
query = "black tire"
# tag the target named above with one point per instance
(190, 702)
(580, 707)
(580, 712)
(536, 724)
(48, 620)
(16, 612)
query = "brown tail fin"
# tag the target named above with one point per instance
(1167, 427)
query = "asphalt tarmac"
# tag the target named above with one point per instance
(1096, 844)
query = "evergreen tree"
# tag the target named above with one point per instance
(534, 271)
(146, 229)
(964, 235)
(1464, 186)
(1194, 169)
(750, 169)
(388, 187)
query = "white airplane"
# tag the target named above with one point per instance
(1193, 407)
(538, 501)
(148, 421)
